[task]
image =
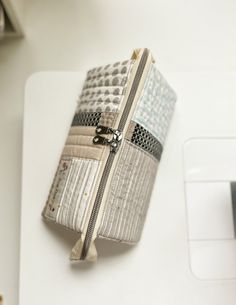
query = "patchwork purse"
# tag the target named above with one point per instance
(104, 180)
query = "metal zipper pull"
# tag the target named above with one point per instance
(100, 129)
(100, 140)
(114, 142)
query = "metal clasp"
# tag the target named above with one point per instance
(114, 142)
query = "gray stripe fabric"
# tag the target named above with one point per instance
(129, 194)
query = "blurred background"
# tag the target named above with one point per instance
(71, 35)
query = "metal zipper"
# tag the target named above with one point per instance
(114, 144)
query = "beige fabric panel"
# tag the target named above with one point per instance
(82, 130)
(129, 195)
(79, 143)
(79, 140)
(130, 130)
(83, 151)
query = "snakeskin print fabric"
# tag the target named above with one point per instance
(156, 105)
(144, 139)
(104, 88)
(86, 119)
(94, 118)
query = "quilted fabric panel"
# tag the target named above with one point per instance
(104, 88)
(79, 143)
(156, 105)
(71, 191)
(129, 194)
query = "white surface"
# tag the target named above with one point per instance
(214, 260)
(209, 167)
(211, 159)
(157, 270)
(185, 36)
(209, 208)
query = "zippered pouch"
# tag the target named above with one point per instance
(104, 180)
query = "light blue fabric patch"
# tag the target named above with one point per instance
(156, 105)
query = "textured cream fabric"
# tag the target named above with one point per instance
(129, 195)
(79, 140)
(82, 130)
(71, 192)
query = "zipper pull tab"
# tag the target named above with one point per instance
(114, 142)
(103, 130)
(100, 140)
(75, 254)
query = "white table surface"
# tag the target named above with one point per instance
(157, 271)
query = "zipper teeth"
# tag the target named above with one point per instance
(102, 185)
(97, 203)
(133, 90)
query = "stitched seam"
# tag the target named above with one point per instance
(142, 150)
